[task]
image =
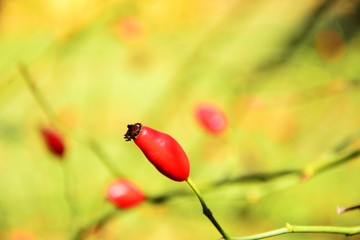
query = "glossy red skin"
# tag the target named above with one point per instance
(165, 153)
(211, 118)
(54, 141)
(124, 193)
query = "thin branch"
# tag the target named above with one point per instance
(206, 210)
(304, 173)
(164, 197)
(344, 158)
(298, 37)
(180, 83)
(68, 197)
(256, 177)
(37, 94)
(48, 110)
(345, 143)
(347, 231)
(95, 225)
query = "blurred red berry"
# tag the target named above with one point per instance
(163, 151)
(129, 29)
(54, 141)
(211, 118)
(124, 193)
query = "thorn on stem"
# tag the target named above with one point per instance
(289, 227)
(342, 210)
(339, 210)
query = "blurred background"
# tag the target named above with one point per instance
(286, 73)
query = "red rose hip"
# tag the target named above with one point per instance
(211, 118)
(54, 141)
(162, 150)
(124, 193)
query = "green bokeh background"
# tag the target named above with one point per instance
(290, 99)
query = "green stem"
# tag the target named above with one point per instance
(347, 231)
(82, 138)
(302, 173)
(343, 158)
(206, 210)
(67, 197)
(36, 93)
(96, 224)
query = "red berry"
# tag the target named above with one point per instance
(211, 118)
(54, 141)
(124, 193)
(130, 29)
(163, 151)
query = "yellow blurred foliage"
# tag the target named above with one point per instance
(21, 234)
(254, 114)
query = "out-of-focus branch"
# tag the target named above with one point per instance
(39, 97)
(82, 138)
(180, 83)
(298, 37)
(95, 225)
(303, 174)
(347, 231)
(256, 177)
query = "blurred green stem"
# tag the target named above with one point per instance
(206, 210)
(300, 174)
(318, 168)
(50, 113)
(86, 140)
(36, 93)
(347, 231)
(68, 196)
(95, 225)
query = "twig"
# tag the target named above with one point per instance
(95, 225)
(180, 83)
(344, 158)
(68, 197)
(164, 197)
(303, 173)
(347, 231)
(39, 97)
(256, 177)
(206, 210)
(345, 143)
(86, 140)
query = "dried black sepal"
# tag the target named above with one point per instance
(133, 131)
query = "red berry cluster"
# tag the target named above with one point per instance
(162, 150)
